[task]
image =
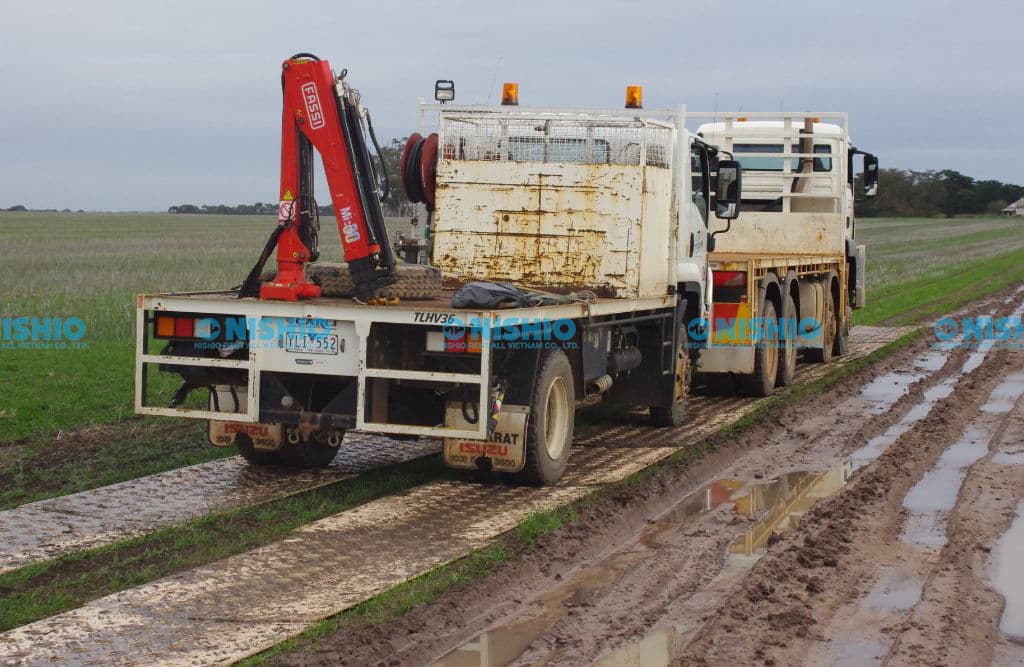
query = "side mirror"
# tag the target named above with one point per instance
(727, 189)
(870, 175)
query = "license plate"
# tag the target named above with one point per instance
(309, 344)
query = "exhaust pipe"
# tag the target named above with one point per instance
(601, 384)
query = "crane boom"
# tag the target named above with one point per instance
(322, 113)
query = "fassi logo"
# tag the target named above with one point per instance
(313, 110)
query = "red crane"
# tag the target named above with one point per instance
(322, 112)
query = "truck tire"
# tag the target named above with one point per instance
(412, 281)
(823, 355)
(552, 410)
(682, 380)
(253, 456)
(766, 358)
(787, 351)
(310, 454)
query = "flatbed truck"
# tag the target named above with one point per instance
(602, 212)
(603, 219)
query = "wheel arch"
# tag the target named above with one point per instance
(772, 290)
(790, 285)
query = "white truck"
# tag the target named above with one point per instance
(793, 259)
(605, 213)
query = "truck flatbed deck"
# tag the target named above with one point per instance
(227, 302)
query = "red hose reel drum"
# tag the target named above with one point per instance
(418, 167)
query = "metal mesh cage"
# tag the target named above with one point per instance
(549, 137)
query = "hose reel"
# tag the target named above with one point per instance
(418, 167)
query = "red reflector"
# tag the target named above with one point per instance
(730, 278)
(183, 327)
(728, 311)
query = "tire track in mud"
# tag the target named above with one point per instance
(634, 559)
(230, 609)
(840, 589)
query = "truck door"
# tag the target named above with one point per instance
(700, 181)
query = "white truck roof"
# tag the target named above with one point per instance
(765, 128)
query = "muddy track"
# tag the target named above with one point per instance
(221, 612)
(785, 607)
(229, 609)
(659, 556)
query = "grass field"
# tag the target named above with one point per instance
(91, 266)
(920, 267)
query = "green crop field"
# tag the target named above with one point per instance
(923, 267)
(91, 266)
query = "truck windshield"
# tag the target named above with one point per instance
(767, 163)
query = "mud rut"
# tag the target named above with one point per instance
(701, 566)
(640, 558)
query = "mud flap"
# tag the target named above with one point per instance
(222, 433)
(505, 448)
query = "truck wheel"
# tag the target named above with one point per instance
(552, 410)
(309, 454)
(766, 358)
(253, 456)
(787, 351)
(412, 281)
(823, 355)
(675, 414)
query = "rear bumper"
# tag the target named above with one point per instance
(266, 358)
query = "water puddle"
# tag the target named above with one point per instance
(876, 446)
(1006, 395)
(1008, 579)
(859, 652)
(784, 501)
(1009, 458)
(883, 391)
(862, 640)
(777, 505)
(654, 650)
(897, 591)
(931, 361)
(930, 500)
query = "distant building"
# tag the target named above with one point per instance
(1016, 208)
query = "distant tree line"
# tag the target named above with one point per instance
(18, 208)
(904, 192)
(259, 208)
(394, 203)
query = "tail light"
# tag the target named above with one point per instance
(730, 286)
(171, 326)
(730, 279)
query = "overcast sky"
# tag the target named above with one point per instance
(136, 105)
